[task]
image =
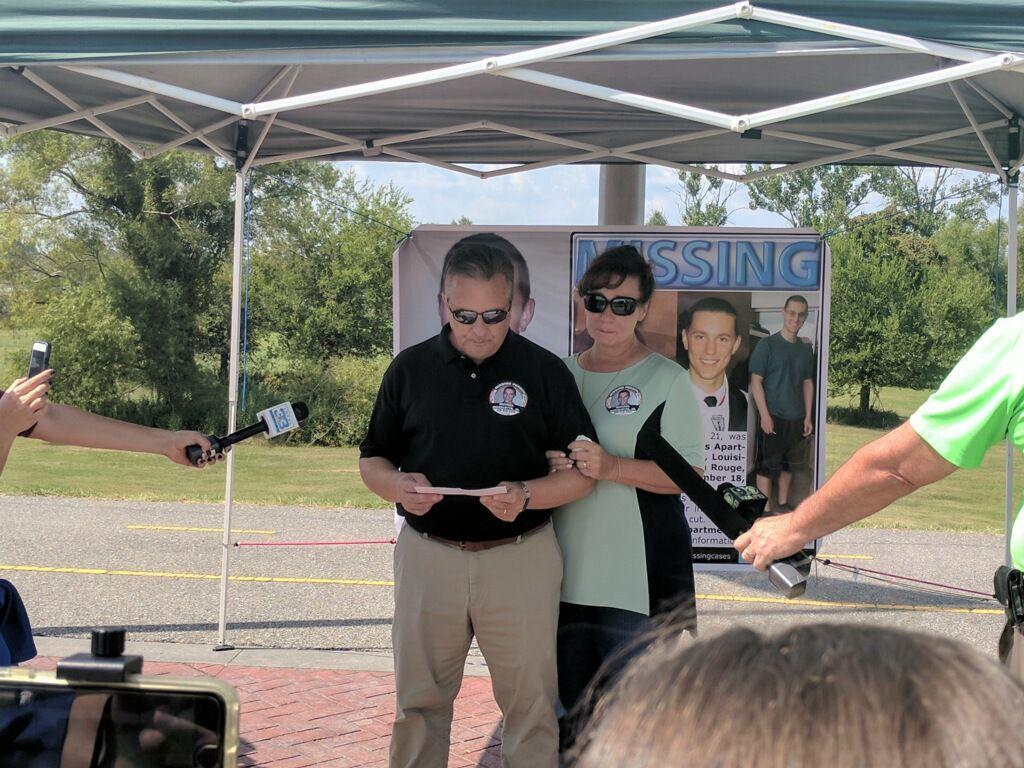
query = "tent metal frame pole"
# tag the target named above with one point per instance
(1012, 217)
(912, 157)
(882, 148)
(617, 96)
(393, 152)
(499, 65)
(494, 64)
(229, 479)
(156, 86)
(308, 154)
(985, 144)
(185, 126)
(510, 65)
(70, 103)
(865, 35)
(71, 117)
(268, 123)
(195, 133)
(880, 91)
(602, 152)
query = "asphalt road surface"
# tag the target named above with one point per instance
(155, 568)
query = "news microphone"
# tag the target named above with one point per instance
(274, 421)
(732, 509)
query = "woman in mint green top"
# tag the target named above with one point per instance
(626, 547)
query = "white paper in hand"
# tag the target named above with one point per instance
(461, 491)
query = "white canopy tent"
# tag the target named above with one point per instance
(740, 82)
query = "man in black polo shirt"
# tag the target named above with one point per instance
(474, 408)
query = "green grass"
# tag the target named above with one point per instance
(264, 474)
(896, 399)
(969, 500)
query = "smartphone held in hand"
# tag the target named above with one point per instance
(39, 359)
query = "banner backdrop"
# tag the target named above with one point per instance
(721, 272)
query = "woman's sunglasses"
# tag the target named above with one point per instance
(489, 316)
(621, 305)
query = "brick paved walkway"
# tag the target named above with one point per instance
(334, 718)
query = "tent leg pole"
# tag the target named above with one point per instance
(1011, 310)
(236, 304)
(621, 199)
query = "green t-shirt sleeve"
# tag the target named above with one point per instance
(681, 422)
(971, 411)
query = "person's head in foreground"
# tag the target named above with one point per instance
(841, 696)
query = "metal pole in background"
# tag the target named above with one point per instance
(236, 305)
(621, 195)
(1011, 310)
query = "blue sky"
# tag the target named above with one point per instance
(559, 195)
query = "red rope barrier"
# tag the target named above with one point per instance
(857, 568)
(311, 543)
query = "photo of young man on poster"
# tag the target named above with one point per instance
(711, 337)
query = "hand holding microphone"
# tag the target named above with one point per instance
(734, 510)
(274, 421)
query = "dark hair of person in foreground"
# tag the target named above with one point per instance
(832, 695)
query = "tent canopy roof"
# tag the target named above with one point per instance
(66, 30)
(61, 57)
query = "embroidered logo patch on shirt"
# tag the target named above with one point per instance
(623, 401)
(507, 399)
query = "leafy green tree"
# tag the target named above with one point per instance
(902, 315)
(95, 348)
(933, 196)
(657, 219)
(153, 239)
(825, 198)
(153, 232)
(704, 200)
(322, 277)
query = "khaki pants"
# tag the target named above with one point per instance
(508, 598)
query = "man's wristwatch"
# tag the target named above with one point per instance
(526, 494)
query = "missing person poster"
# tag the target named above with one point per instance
(743, 311)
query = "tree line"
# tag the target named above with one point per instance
(124, 265)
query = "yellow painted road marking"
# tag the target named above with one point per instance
(192, 529)
(200, 576)
(854, 606)
(830, 556)
(374, 583)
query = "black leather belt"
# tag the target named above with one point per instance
(480, 546)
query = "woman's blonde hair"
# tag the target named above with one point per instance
(833, 695)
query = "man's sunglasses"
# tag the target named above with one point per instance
(468, 316)
(621, 305)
